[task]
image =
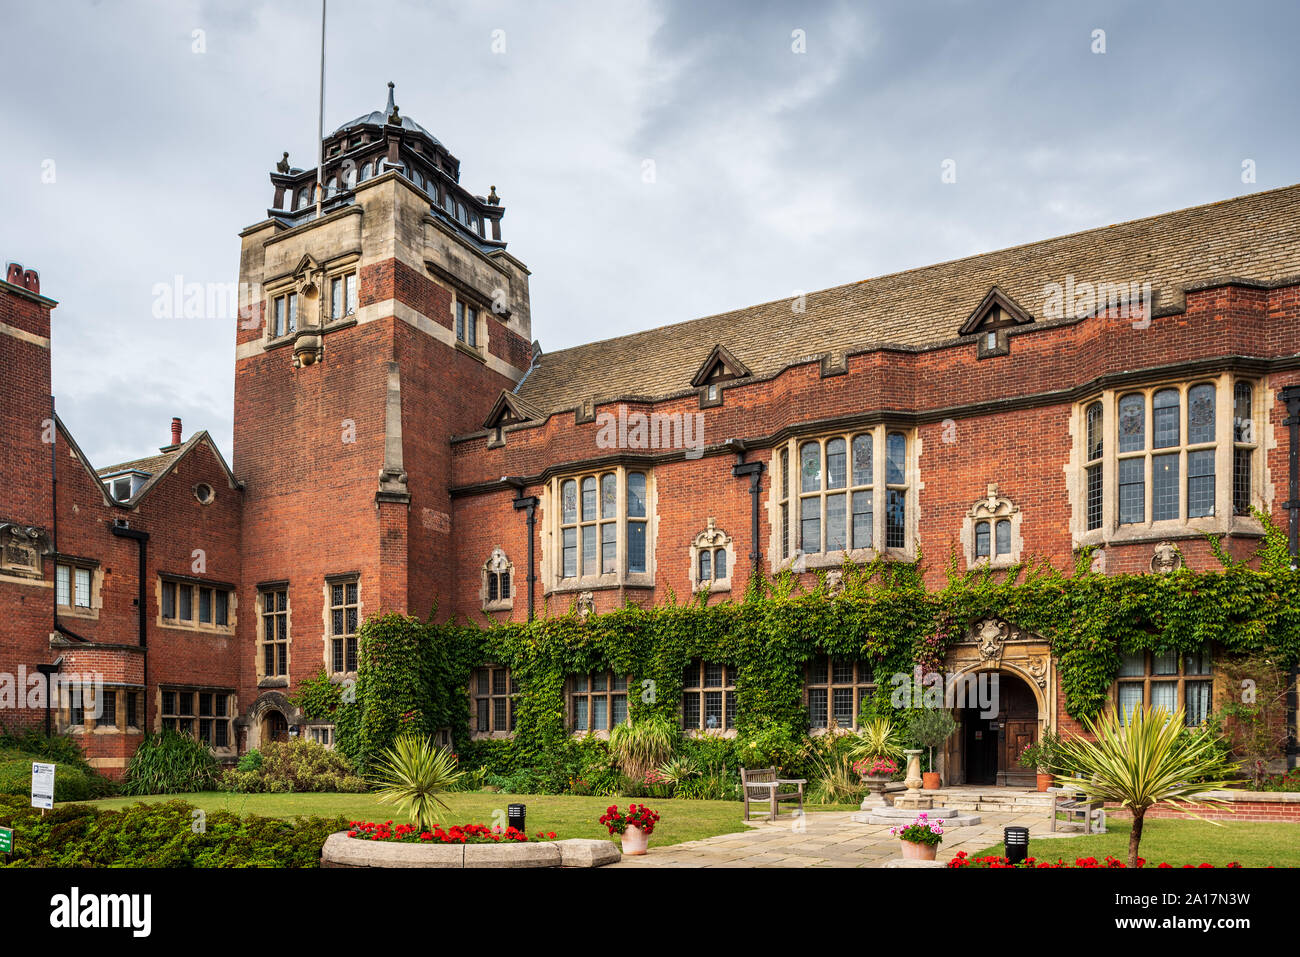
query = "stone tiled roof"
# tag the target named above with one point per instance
(153, 464)
(1254, 237)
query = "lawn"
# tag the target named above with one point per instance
(1178, 842)
(567, 816)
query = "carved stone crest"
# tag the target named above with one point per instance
(1038, 671)
(1167, 558)
(586, 604)
(991, 634)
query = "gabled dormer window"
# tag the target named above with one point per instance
(720, 366)
(993, 317)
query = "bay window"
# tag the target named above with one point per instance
(602, 530)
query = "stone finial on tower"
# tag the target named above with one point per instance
(283, 165)
(391, 109)
(493, 199)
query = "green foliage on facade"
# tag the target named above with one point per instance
(413, 675)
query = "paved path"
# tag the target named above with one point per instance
(832, 839)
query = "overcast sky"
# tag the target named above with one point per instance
(774, 170)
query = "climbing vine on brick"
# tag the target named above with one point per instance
(414, 674)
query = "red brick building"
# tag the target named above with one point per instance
(402, 443)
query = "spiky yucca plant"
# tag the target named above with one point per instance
(411, 775)
(1144, 762)
(878, 738)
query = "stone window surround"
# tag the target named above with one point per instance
(73, 563)
(1223, 521)
(697, 688)
(232, 712)
(193, 624)
(1181, 679)
(549, 522)
(490, 696)
(712, 539)
(496, 564)
(336, 268)
(799, 561)
(327, 636)
(479, 346)
(572, 694)
(263, 591)
(992, 509)
(863, 683)
(91, 724)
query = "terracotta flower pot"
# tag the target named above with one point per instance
(919, 852)
(1045, 781)
(634, 840)
(931, 779)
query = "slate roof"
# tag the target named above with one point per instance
(1254, 238)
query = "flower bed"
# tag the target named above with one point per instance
(456, 834)
(991, 861)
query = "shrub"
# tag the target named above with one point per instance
(170, 763)
(294, 766)
(74, 779)
(412, 774)
(643, 745)
(71, 783)
(160, 835)
(252, 761)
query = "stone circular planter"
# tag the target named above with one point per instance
(343, 851)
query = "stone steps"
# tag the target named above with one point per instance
(992, 801)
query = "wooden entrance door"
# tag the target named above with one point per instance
(1019, 720)
(274, 727)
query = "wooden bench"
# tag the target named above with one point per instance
(762, 786)
(1078, 810)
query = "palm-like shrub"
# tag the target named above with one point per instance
(411, 775)
(678, 771)
(644, 745)
(1148, 761)
(878, 738)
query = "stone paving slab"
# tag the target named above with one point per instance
(829, 839)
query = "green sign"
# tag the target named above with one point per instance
(6, 840)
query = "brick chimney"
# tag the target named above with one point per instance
(176, 436)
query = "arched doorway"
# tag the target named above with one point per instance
(274, 727)
(994, 738)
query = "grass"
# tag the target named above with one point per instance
(1178, 842)
(567, 816)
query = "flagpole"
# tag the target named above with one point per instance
(320, 120)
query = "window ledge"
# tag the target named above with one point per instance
(499, 605)
(712, 586)
(1173, 531)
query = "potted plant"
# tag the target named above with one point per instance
(1043, 756)
(932, 727)
(635, 827)
(877, 752)
(876, 774)
(921, 838)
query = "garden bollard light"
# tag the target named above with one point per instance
(515, 817)
(1016, 841)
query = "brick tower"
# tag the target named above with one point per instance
(374, 327)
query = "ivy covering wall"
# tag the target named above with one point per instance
(414, 674)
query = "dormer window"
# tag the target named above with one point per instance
(120, 488)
